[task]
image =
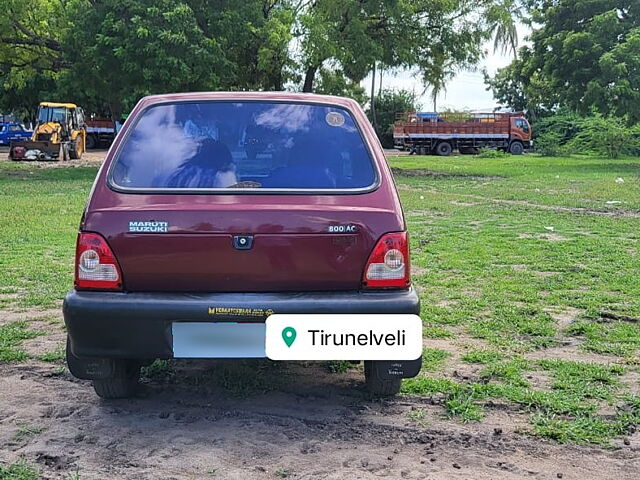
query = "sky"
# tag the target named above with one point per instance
(466, 91)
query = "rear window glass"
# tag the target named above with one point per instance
(252, 145)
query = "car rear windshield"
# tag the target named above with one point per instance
(251, 145)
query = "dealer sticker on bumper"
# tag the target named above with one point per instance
(343, 337)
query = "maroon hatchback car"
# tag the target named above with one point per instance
(223, 208)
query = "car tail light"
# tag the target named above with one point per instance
(388, 264)
(96, 266)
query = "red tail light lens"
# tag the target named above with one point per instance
(388, 264)
(96, 266)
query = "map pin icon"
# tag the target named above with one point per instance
(289, 335)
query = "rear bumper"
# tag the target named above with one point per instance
(139, 325)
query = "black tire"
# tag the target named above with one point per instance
(444, 149)
(123, 383)
(73, 150)
(383, 387)
(63, 154)
(91, 142)
(516, 148)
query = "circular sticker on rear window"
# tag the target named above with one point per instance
(335, 119)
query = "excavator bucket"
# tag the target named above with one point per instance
(30, 150)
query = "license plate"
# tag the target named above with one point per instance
(218, 340)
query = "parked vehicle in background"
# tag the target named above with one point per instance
(59, 134)
(13, 132)
(215, 210)
(100, 132)
(442, 133)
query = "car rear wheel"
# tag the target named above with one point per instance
(377, 384)
(122, 384)
(444, 149)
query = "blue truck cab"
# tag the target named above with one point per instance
(13, 132)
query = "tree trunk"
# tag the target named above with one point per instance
(308, 79)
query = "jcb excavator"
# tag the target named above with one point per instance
(60, 134)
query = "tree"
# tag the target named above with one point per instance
(388, 104)
(585, 55)
(32, 55)
(503, 17)
(421, 34)
(125, 49)
(106, 54)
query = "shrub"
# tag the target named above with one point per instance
(565, 124)
(549, 144)
(491, 153)
(607, 136)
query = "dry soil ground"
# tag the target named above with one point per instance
(314, 424)
(190, 423)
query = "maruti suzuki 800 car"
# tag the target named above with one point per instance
(220, 209)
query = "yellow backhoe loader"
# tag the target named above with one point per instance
(60, 134)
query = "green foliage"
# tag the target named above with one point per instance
(585, 55)
(339, 366)
(563, 123)
(105, 55)
(492, 153)
(605, 136)
(334, 82)
(387, 104)
(549, 144)
(161, 371)
(126, 49)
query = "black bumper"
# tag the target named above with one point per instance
(138, 325)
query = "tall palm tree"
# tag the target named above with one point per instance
(436, 77)
(502, 18)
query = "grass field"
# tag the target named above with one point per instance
(527, 268)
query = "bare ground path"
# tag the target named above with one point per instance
(317, 425)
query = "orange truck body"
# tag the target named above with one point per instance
(466, 132)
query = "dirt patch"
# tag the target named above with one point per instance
(573, 353)
(10, 316)
(409, 172)
(317, 426)
(564, 316)
(91, 158)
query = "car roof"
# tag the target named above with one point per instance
(252, 96)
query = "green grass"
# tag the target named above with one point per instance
(520, 255)
(433, 358)
(40, 212)
(501, 249)
(26, 431)
(55, 356)
(482, 356)
(18, 471)
(11, 337)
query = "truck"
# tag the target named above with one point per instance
(442, 133)
(100, 132)
(13, 132)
